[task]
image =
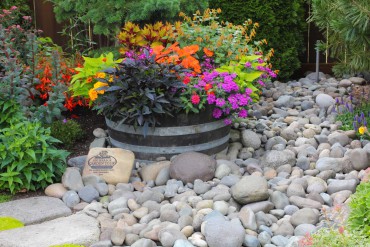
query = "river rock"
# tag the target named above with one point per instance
(55, 190)
(324, 100)
(192, 165)
(336, 185)
(358, 158)
(276, 158)
(150, 172)
(250, 189)
(250, 139)
(72, 179)
(304, 216)
(220, 233)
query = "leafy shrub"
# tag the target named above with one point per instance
(28, 158)
(67, 131)
(225, 40)
(9, 112)
(359, 218)
(282, 24)
(328, 237)
(7, 223)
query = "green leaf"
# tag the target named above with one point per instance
(31, 153)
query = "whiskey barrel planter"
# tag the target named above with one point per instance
(179, 134)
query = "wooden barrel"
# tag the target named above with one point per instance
(175, 135)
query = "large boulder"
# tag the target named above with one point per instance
(250, 189)
(190, 166)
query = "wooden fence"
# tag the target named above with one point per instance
(45, 20)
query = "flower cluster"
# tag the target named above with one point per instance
(219, 90)
(353, 116)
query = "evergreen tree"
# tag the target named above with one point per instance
(347, 26)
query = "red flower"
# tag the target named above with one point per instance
(341, 230)
(186, 80)
(104, 60)
(207, 86)
(195, 99)
(210, 93)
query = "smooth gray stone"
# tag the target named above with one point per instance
(78, 229)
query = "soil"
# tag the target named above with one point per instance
(89, 120)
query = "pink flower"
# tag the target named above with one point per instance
(248, 65)
(13, 8)
(195, 99)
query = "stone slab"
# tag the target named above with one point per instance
(77, 229)
(114, 165)
(35, 210)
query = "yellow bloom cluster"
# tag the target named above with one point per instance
(93, 92)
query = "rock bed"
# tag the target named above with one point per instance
(281, 171)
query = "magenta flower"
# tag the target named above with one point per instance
(211, 99)
(217, 113)
(227, 121)
(248, 65)
(243, 113)
(220, 102)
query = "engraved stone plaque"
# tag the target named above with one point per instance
(114, 165)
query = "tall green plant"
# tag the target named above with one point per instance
(347, 26)
(282, 24)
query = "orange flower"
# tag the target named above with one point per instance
(104, 59)
(89, 79)
(208, 53)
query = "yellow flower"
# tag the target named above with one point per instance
(99, 85)
(93, 94)
(110, 78)
(362, 130)
(100, 75)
